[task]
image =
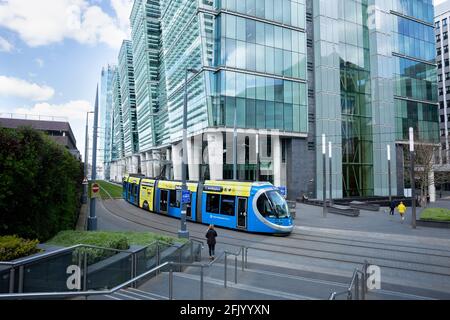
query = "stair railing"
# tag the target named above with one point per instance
(358, 285)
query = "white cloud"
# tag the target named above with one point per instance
(13, 87)
(5, 45)
(42, 22)
(74, 112)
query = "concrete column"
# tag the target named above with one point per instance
(277, 159)
(143, 157)
(431, 187)
(215, 152)
(194, 157)
(156, 164)
(177, 161)
(169, 158)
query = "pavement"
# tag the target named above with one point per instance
(370, 222)
(319, 256)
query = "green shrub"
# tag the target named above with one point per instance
(40, 185)
(13, 247)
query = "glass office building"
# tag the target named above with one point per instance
(129, 116)
(106, 113)
(284, 72)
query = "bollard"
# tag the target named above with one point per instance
(201, 283)
(357, 287)
(225, 276)
(235, 269)
(192, 252)
(243, 258)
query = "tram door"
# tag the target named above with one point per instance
(164, 199)
(242, 213)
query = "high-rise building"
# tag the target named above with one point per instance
(442, 20)
(284, 72)
(375, 77)
(106, 111)
(118, 146)
(129, 117)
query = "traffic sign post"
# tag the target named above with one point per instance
(95, 190)
(186, 197)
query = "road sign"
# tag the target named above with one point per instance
(186, 197)
(85, 181)
(95, 190)
(283, 191)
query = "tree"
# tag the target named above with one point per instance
(427, 171)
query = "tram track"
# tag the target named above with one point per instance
(260, 244)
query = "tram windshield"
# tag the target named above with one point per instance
(272, 205)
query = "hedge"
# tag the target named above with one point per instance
(13, 247)
(40, 185)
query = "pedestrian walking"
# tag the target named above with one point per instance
(392, 206)
(402, 210)
(211, 235)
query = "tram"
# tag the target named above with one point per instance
(252, 207)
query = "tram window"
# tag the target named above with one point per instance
(173, 199)
(264, 207)
(212, 203)
(228, 205)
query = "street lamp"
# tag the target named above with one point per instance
(389, 171)
(330, 157)
(324, 154)
(86, 161)
(413, 180)
(92, 220)
(183, 232)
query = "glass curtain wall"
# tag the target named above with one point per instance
(357, 141)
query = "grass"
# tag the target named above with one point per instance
(436, 214)
(106, 239)
(109, 189)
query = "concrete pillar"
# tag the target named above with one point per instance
(215, 153)
(431, 187)
(177, 161)
(156, 164)
(277, 159)
(143, 157)
(194, 157)
(169, 173)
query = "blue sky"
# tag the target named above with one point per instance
(52, 53)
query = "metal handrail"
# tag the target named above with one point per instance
(131, 281)
(84, 293)
(355, 281)
(56, 252)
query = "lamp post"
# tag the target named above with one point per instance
(235, 136)
(389, 172)
(413, 180)
(92, 221)
(86, 160)
(324, 154)
(183, 232)
(330, 158)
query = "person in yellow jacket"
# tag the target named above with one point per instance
(402, 210)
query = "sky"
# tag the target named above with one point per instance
(52, 53)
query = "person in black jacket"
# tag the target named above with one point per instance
(211, 236)
(392, 206)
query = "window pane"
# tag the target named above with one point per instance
(260, 114)
(228, 205)
(279, 116)
(212, 203)
(250, 114)
(270, 60)
(270, 115)
(241, 112)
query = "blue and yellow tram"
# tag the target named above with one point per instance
(246, 206)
